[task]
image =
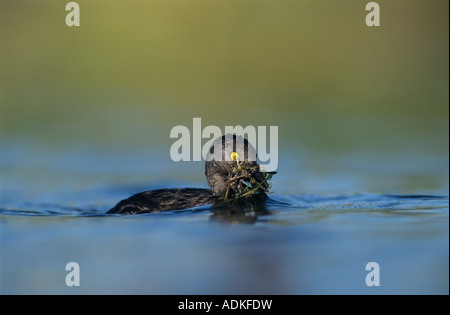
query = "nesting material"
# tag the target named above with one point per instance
(246, 181)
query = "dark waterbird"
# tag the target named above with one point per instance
(233, 176)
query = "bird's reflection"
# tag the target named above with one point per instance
(238, 211)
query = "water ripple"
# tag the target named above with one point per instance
(349, 203)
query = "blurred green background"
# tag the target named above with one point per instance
(134, 69)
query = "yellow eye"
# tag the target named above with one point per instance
(234, 156)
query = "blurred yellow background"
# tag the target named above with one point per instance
(134, 69)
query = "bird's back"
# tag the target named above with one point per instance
(164, 200)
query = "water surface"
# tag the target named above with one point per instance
(303, 243)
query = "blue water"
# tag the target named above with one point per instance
(294, 245)
(314, 236)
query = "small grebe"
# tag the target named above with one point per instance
(235, 151)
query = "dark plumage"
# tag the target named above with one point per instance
(164, 200)
(217, 167)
